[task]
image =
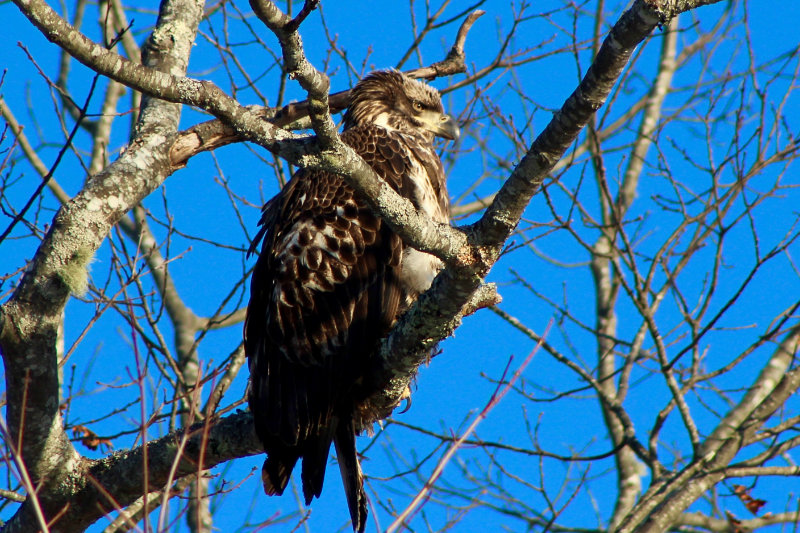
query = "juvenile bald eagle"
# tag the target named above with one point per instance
(331, 280)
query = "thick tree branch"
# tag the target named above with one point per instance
(417, 229)
(721, 525)
(122, 474)
(638, 22)
(32, 316)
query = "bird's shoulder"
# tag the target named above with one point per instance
(390, 153)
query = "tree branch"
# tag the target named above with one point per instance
(30, 319)
(122, 474)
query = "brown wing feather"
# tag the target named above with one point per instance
(325, 289)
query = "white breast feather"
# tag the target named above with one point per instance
(419, 268)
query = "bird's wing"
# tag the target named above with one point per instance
(325, 289)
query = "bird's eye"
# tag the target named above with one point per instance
(416, 105)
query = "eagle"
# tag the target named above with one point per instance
(331, 280)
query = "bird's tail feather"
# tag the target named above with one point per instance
(345, 440)
(315, 459)
(276, 472)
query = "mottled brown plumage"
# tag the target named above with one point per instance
(331, 280)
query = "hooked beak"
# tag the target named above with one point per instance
(441, 125)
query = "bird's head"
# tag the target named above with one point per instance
(393, 100)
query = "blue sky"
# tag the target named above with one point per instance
(457, 383)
